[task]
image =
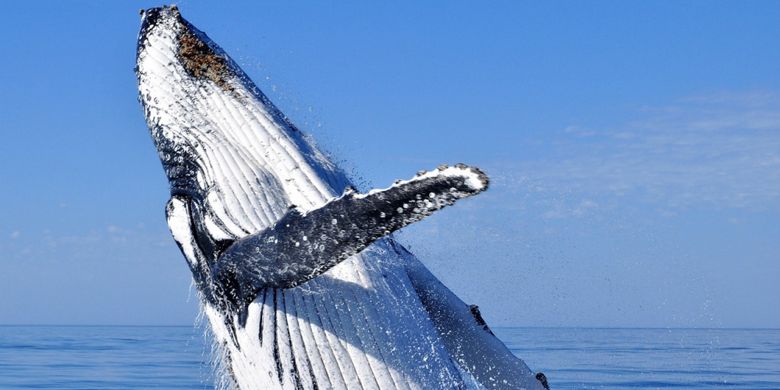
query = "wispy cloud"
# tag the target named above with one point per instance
(720, 150)
(111, 243)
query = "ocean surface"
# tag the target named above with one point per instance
(96, 357)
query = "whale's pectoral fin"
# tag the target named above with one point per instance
(300, 246)
(178, 213)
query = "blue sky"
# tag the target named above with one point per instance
(634, 149)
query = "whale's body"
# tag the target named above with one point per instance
(377, 320)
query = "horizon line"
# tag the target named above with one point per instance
(493, 327)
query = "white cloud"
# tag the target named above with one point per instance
(719, 151)
(98, 244)
(560, 210)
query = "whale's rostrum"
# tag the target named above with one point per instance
(300, 282)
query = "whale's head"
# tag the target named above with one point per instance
(222, 143)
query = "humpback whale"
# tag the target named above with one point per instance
(298, 275)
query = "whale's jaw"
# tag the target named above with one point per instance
(378, 320)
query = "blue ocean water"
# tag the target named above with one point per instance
(65, 357)
(575, 358)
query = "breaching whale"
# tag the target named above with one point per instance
(299, 278)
